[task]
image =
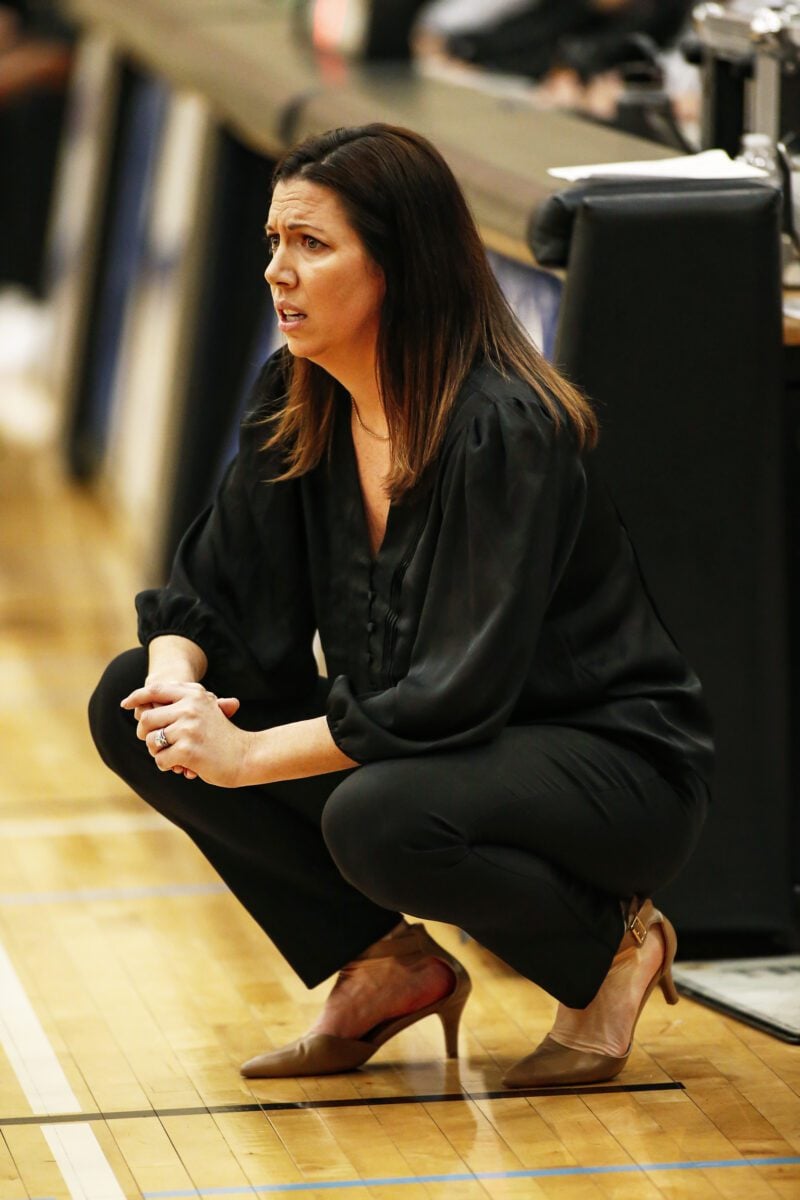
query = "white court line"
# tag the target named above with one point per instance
(24, 827)
(28, 1048)
(78, 1154)
(86, 1170)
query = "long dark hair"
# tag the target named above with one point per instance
(443, 308)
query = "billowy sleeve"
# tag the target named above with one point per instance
(239, 586)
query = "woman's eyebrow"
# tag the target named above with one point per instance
(295, 225)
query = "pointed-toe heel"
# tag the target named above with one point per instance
(324, 1054)
(552, 1064)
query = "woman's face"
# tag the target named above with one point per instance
(326, 289)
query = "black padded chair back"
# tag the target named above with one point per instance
(671, 321)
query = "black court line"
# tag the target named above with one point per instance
(268, 1106)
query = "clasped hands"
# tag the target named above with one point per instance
(200, 738)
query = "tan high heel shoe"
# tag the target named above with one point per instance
(324, 1054)
(552, 1063)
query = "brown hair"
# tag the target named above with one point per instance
(442, 311)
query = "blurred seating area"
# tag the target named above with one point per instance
(580, 55)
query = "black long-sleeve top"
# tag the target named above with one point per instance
(505, 591)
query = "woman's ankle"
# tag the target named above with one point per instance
(363, 998)
(606, 1025)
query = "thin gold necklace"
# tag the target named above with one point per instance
(379, 437)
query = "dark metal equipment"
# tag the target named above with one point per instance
(750, 57)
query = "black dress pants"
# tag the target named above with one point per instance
(528, 843)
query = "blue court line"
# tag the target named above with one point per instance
(82, 895)
(474, 1176)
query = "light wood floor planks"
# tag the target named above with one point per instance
(150, 984)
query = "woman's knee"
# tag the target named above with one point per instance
(113, 728)
(384, 836)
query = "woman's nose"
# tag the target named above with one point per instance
(279, 270)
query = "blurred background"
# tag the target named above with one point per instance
(94, 119)
(633, 169)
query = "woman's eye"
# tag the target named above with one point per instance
(272, 242)
(311, 242)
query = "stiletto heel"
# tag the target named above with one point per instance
(553, 1063)
(668, 989)
(324, 1054)
(664, 977)
(450, 1016)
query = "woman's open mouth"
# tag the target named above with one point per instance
(289, 318)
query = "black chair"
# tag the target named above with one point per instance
(671, 322)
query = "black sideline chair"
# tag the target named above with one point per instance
(671, 322)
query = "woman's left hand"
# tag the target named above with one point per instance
(201, 738)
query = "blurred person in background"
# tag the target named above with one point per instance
(572, 50)
(35, 59)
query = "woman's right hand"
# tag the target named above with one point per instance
(175, 659)
(227, 706)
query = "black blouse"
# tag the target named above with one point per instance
(505, 591)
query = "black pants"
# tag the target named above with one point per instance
(528, 843)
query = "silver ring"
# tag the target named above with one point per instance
(161, 739)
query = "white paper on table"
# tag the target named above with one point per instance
(709, 164)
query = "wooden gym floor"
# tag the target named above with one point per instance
(132, 984)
